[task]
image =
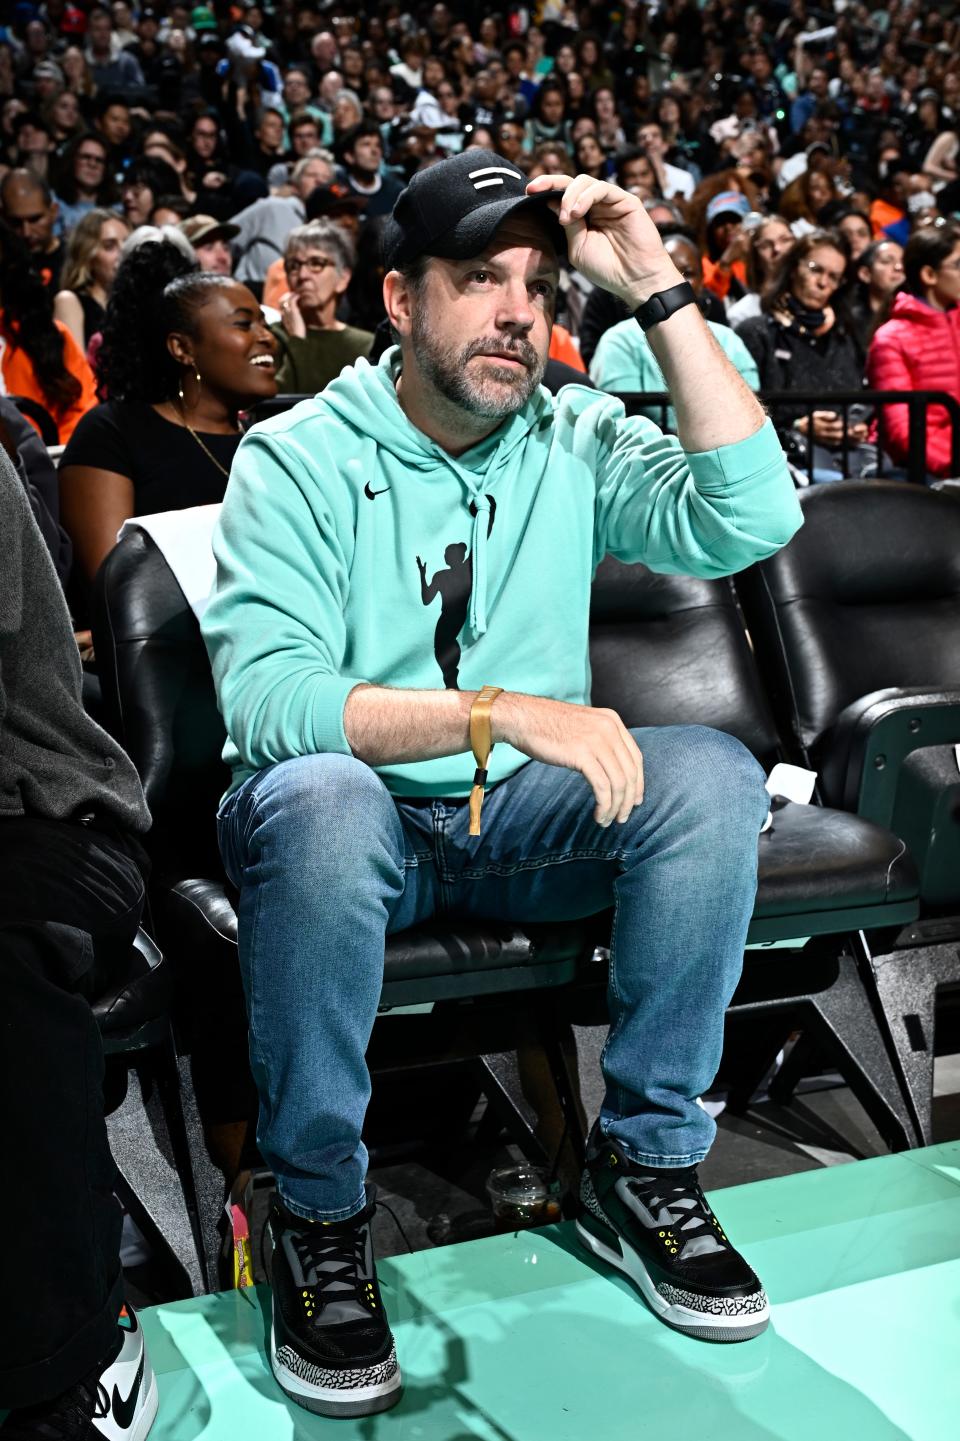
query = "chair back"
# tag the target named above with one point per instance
(160, 703)
(866, 596)
(668, 649)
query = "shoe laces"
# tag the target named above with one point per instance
(683, 1207)
(336, 1258)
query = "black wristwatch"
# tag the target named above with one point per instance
(662, 305)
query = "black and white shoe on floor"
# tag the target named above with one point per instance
(658, 1229)
(117, 1401)
(331, 1349)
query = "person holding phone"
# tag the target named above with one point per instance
(800, 342)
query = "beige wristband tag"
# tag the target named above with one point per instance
(482, 744)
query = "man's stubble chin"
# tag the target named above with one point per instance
(500, 393)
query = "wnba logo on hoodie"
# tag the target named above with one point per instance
(454, 586)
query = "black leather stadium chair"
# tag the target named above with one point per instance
(857, 627)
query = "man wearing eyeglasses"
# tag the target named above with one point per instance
(314, 344)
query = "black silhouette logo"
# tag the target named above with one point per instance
(123, 1410)
(453, 586)
(371, 493)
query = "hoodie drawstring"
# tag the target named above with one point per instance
(478, 592)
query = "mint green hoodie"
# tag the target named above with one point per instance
(332, 506)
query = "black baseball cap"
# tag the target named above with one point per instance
(452, 209)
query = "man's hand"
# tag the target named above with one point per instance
(593, 741)
(828, 428)
(738, 249)
(610, 237)
(291, 316)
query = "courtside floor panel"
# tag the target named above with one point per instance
(522, 1338)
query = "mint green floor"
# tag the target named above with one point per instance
(520, 1338)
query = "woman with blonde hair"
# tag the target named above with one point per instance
(93, 254)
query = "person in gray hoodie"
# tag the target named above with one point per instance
(71, 894)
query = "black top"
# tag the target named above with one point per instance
(93, 313)
(788, 360)
(168, 467)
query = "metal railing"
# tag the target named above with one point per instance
(917, 402)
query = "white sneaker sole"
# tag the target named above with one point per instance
(335, 1400)
(706, 1326)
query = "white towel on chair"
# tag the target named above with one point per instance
(185, 540)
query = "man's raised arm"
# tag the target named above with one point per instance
(614, 243)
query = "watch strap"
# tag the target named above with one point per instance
(481, 742)
(665, 303)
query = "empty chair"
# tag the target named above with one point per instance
(857, 628)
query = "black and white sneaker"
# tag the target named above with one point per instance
(117, 1401)
(657, 1228)
(331, 1349)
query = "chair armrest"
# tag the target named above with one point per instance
(137, 998)
(861, 756)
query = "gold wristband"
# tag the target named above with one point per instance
(481, 741)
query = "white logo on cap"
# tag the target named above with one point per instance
(494, 170)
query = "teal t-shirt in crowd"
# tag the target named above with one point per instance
(624, 363)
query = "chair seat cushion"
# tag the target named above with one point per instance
(817, 860)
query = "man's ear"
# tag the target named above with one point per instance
(398, 300)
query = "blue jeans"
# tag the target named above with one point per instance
(328, 863)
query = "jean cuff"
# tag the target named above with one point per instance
(659, 1163)
(346, 1213)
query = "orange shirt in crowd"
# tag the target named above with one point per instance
(17, 377)
(718, 281)
(563, 348)
(882, 214)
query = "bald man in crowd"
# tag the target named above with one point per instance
(30, 210)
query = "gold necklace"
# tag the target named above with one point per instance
(209, 454)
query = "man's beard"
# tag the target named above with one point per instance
(500, 392)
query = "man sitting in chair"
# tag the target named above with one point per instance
(404, 570)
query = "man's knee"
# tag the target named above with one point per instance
(331, 800)
(706, 769)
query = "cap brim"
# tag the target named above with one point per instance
(472, 234)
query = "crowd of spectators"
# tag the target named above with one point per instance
(804, 159)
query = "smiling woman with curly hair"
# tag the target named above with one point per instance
(183, 354)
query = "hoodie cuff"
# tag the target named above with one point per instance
(717, 470)
(329, 734)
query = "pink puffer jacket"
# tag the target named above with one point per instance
(917, 349)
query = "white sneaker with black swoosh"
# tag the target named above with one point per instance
(117, 1401)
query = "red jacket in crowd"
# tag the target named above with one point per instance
(917, 349)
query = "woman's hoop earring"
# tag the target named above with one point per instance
(199, 380)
